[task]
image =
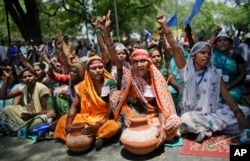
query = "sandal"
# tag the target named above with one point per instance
(49, 136)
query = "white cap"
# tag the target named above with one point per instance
(247, 36)
(119, 46)
(223, 34)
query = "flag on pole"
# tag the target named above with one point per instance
(196, 9)
(146, 32)
(172, 20)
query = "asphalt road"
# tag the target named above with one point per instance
(15, 149)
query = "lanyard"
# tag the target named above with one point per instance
(222, 62)
(202, 76)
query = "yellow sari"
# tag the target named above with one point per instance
(93, 109)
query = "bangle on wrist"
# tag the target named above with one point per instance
(113, 46)
(167, 32)
(162, 39)
(238, 113)
(98, 30)
(108, 41)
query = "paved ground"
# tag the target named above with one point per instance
(15, 149)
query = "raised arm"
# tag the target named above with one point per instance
(179, 57)
(24, 61)
(216, 31)
(188, 31)
(3, 90)
(162, 41)
(105, 53)
(105, 24)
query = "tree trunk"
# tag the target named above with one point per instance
(27, 22)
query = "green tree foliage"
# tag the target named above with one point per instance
(37, 19)
(25, 14)
(132, 15)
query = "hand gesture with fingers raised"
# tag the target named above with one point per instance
(161, 19)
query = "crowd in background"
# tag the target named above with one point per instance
(173, 82)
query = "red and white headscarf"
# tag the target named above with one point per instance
(140, 54)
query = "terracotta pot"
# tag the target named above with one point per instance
(76, 141)
(140, 138)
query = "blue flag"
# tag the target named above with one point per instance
(172, 20)
(196, 9)
(145, 32)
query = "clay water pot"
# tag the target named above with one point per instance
(140, 138)
(76, 141)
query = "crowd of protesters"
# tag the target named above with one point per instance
(181, 86)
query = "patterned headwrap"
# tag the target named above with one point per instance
(140, 54)
(93, 58)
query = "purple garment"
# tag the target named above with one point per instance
(11, 51)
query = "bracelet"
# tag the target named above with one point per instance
(108, 40)
(238, 113)
(113, 46)
(168, 32)
(162, 39)
(98, 31)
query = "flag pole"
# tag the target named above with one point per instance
(116, 21)
(177, 28)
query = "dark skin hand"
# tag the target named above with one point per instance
(188, 29)
(217, 30)
(26, 116)
(95, 23)
(90, 130)
(161, 134)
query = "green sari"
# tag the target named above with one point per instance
(229, 73)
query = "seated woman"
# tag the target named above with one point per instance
(133, 99)
(33, 110)
(232, 65)
(163, 67)
(201, 111)
(92, 100)
(39, 68)
(59, 104)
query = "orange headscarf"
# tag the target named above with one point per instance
(93, 107)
